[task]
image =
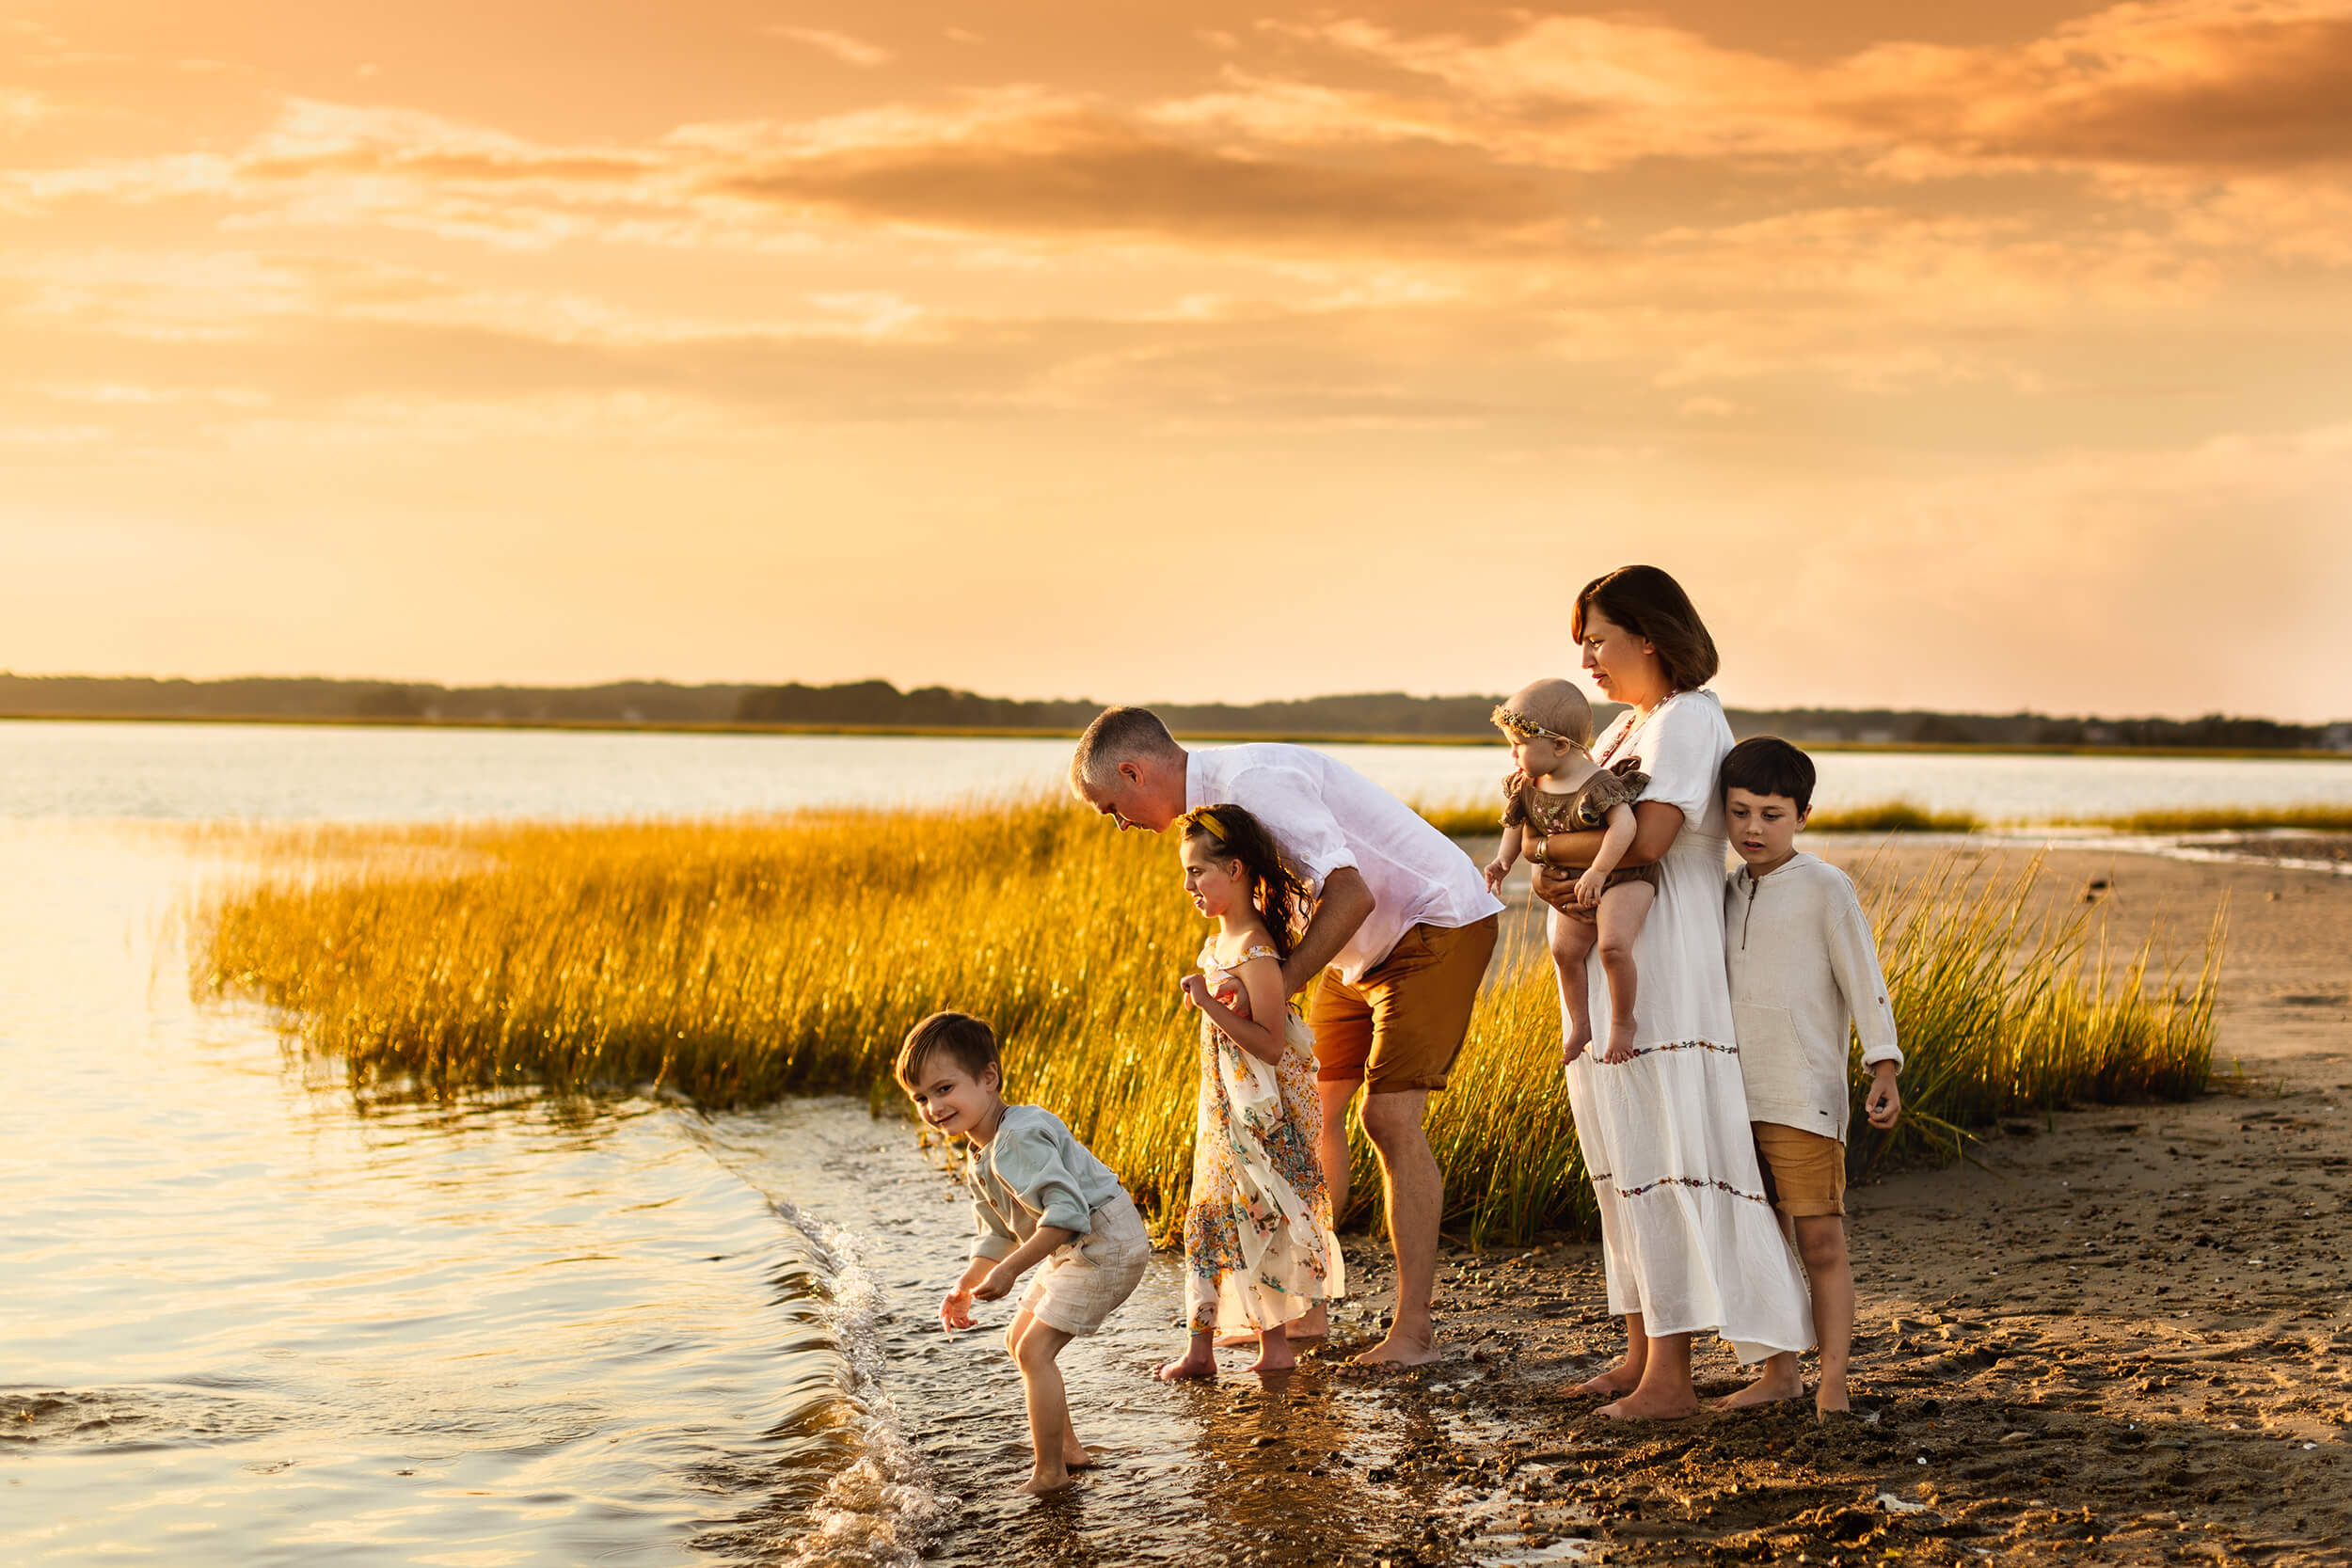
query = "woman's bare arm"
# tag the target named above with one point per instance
(1566, 855)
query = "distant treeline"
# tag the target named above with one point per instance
(879, 705)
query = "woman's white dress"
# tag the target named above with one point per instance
(1688, 1239)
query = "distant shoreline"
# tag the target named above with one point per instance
(975, 732)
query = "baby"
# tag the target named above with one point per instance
(1557, 787)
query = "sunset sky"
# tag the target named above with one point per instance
(1996, 356)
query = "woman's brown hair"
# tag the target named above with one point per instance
(1649, 604)
(1280, 893)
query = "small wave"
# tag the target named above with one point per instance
(880, 1511)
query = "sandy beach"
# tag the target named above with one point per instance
(2116, 1334)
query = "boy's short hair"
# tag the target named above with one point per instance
(966, 1041)
(1767, 765)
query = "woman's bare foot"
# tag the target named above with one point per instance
(1638, 1406)
(1047, 1478)
(1194, 1362)
(1615, 1382)
(1778, 1384)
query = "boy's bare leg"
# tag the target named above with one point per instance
(1626, 1375)
(1051, 1437)
(1617, 925)
(1416, 1193)
(1664, 1392)
(1821, 1242)
(1199, 1360)
(1571, 944)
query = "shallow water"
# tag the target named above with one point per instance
(246, 1317)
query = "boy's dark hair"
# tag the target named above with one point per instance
(1280, 893)
(965, 1040)
(1648, 603)
(1767, 765)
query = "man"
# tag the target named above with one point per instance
(1400, 915)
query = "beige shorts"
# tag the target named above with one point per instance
(1082, 1282)
(1804, 1173)
(1401, 1026)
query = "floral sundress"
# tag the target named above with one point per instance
(1259, 1246)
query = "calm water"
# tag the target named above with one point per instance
(275, 773)
(248, 1318)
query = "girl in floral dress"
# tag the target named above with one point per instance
(1260, 1250)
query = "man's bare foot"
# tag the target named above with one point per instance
(1773, 1387)
(1398, 1350)
(1638, 1407)
(1046, 1478)
(1191, 1364)
(1615, 1382)
(1620, 1042)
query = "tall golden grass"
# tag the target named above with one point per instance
(743, 960)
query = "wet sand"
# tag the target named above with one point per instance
(2117, 1334)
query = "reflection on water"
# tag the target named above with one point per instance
(245, 1318)
(242, 1320)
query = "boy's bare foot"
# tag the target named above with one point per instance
(1191, 1364)
(1620, 1042)
(1046, 1479)
(1638, 1407)
(1831, 1401)
(1398, 1350)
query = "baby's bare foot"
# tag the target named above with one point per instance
(1620, 1042)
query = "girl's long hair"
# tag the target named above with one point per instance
(1280, 895)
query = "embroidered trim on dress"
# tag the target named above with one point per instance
(1702, 1182)
(1641, 1051)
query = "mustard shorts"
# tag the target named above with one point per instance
(1401, 1026)
(1804, 1173)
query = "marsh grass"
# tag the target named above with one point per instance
(743, 960)
(2316, 818)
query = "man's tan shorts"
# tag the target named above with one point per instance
(1804, 1173)
(1401, 1026)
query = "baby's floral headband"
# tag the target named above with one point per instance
(1521, 724)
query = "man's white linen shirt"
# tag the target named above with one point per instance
(1803, 963)
(1324, 814)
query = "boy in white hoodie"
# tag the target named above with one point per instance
(1803, 972)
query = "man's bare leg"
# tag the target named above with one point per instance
(1416, 1196)
(1626, 1375)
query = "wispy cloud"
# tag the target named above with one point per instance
(841, 46)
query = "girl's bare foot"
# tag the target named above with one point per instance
(1046, 1478)
(1638, 1407)
(1074, 1457)
(1274, 1353)
(1194, 1362)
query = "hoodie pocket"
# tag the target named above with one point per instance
(1772, 1061)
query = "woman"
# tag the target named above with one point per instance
(1688, 1241)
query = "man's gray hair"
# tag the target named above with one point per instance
(1117, 735)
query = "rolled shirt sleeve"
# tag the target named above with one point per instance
(1029, 1163)
(1853, 959)
(990, 1236)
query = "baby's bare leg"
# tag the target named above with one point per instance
(1617, 925)
(1571, 944)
